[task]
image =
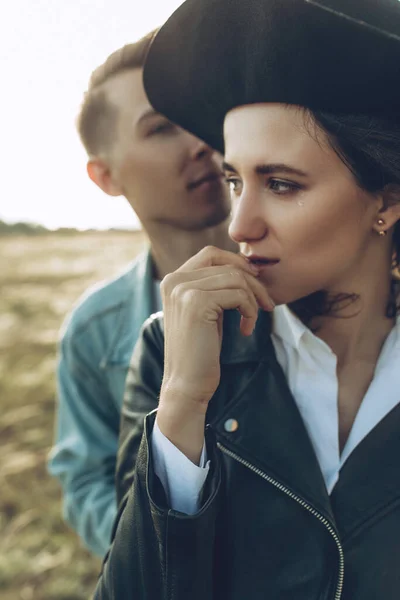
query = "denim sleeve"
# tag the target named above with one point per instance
(84, 454)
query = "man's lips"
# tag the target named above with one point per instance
(209, 177)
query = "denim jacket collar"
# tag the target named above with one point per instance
(134, 308)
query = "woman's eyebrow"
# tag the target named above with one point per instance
(268, 169)
(278, 167)
(227, 167)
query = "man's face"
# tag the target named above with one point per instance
(167, 175)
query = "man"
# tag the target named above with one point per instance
(173, 182)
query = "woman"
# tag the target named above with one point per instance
(270, 469)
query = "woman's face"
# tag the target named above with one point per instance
(295, 203)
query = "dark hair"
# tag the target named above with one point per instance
(97, 116)
(370, 147)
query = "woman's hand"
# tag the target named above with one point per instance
(194, 299)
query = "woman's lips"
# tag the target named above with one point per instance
(262, 261)
(263, 264)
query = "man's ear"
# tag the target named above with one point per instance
(390, 212)
(100, 173)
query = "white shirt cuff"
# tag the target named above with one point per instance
(182, 480)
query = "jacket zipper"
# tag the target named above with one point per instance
(308, 507)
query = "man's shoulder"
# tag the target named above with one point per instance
(105, 297)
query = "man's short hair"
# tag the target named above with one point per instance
(97, 117)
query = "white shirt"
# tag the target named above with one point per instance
(310, 369)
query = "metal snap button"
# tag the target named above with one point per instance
(231, 425)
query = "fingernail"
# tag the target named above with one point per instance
(254, 268)
(270, 305)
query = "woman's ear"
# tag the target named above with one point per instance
(390, 211)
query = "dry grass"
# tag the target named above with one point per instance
(40, 278)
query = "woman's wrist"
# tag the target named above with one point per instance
(182, 421)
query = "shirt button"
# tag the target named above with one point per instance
(231, 425)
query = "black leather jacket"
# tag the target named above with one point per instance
(267, 528)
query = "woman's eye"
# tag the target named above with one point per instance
(233, 185)
(282, 187)
(278, 186)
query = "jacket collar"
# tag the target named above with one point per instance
(284, 324)
(134, 307)
(369, 481)
(237, 348)
(271, 434)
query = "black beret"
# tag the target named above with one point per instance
(340, 56)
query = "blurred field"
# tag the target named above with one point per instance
(40, 278)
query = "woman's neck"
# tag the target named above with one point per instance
(357, 331)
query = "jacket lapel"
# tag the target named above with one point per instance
(369, 481)
(270, 432)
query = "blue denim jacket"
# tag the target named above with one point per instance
(95, 349)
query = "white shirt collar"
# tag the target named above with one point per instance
(287, 326)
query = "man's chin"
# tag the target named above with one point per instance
(216, 217)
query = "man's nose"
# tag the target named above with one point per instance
(199, 149)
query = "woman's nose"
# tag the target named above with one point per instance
(248, 222)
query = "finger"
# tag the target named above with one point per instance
(204, 272)
(219, 300)
(227, 277)
(232, 281)
(171, 280)
(260, 292)
(230, 277)
(211, 256)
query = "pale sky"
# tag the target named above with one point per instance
(48, 49)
